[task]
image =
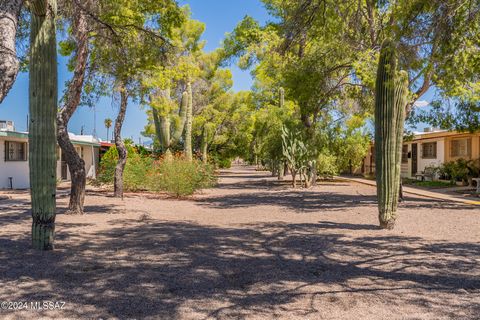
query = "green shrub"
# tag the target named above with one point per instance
(174, 175)
(180, 177)
(460, 170)
(327, 165)
(135, 172)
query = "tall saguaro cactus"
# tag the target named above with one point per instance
(188, 128)
(163, 123)
(43, 96)
(390, 101)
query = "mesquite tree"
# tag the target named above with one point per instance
(9, 65)
(43, 96)
(390, 102)
(76, 164)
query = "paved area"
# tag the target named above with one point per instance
(440, 194)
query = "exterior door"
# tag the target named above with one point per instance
(64, 167)
(414, 158)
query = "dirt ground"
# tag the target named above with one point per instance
(252, 248)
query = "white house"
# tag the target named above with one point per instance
(14, 171)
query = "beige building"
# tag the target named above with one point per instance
(431, 148)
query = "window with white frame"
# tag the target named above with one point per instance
(15, 151)
(461, 148)
(429, 150)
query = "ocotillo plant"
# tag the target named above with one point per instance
(390, 101)
(43, 96)
(188, 128)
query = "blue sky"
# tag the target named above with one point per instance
(220, 17)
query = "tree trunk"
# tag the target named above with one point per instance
(294, 177)
(43, 96)
(9, 65)
(122, 150)
(281, 171)
(188, 129)
(205, 146)
(76, 164)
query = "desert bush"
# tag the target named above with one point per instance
(327, 165)
(461, 170)
(136, 169)
(180, 177)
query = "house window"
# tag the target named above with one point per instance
(461, 148)
(429, 150)
(15, 151)
(405, 153)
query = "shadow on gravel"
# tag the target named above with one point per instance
(310, 201)
(156, 269)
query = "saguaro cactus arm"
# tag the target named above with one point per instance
(177, 133)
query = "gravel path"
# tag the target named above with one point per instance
(252, 248)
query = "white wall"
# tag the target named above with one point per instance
(423, 163)
(90, 156)
(18, 170)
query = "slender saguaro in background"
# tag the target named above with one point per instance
(188, 128)
(43, 96)
(390, 101)
(9, 65)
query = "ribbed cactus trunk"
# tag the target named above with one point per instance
(188, 128)
(178, 130)
(163, 124)
(43, 96)
(390, 101)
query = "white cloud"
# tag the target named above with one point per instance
(421, 103)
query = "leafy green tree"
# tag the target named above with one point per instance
(123, 54)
